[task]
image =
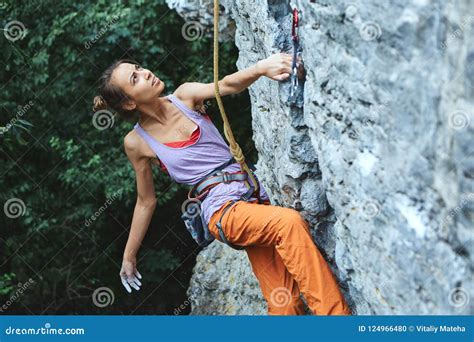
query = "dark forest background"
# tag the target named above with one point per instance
(57, 169)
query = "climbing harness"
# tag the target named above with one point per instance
(201, 189)
(192, 217)
(294, 66)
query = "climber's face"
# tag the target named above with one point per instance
(140, 84)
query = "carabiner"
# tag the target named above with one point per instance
(294, 65)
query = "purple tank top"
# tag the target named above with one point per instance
(189, 164)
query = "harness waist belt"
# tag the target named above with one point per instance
(203, 187)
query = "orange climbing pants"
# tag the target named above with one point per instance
(283, 257)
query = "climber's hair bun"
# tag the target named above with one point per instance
(99, 103)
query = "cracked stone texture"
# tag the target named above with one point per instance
(377, 152)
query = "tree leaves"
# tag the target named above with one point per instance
(67, 171)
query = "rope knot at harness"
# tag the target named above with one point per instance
(236, 151)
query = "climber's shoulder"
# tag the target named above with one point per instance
(191, 94)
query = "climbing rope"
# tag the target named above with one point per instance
(235, 149)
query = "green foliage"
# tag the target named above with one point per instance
(65, 170)
(6, 283)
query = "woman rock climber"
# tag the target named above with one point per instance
(186, 144)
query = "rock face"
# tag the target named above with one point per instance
(199, 16)
(377, 152)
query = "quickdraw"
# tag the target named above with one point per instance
(296, 45)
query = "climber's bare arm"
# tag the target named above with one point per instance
(146, 198)
(276, 67)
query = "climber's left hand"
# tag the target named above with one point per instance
(277, 66)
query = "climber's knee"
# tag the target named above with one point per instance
(290, 221)
(292, 216)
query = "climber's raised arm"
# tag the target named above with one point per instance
(276, 67)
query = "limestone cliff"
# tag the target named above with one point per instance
(377, 153)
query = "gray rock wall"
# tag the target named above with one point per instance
(377, 153)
